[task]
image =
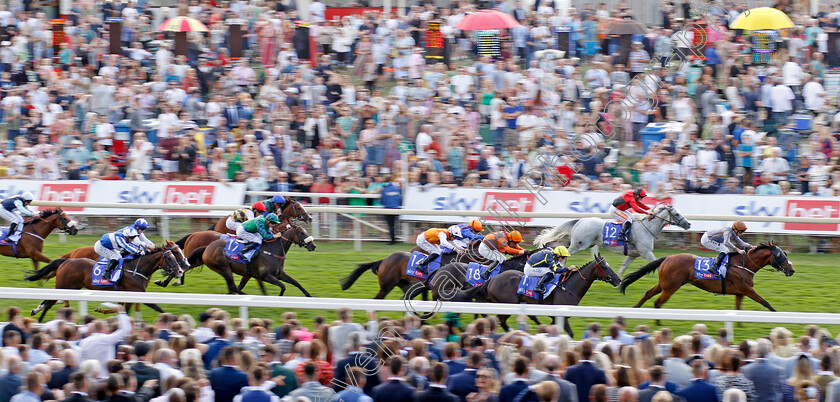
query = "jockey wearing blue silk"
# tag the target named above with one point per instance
(546, 263)
(13, 210)
(111, 246)
(465, 233)
(140, 225)
(274, 205)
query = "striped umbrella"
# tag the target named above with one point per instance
(183, 24)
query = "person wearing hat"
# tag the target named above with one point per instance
(621, 206)
(725, 240)
(13, 210)
(546, 263)
(637, 60)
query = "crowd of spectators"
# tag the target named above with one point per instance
(224, 359)
(277, 121)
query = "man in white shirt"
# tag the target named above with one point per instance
(163, 57)
(424, 138)
(104, 132)
(776, 166)
(463, 83)
(707, 157)
(528, 124)
(100, 345)
(813, 93)
(316, 11)
(781, 102)
(165, 358)
(792, 73)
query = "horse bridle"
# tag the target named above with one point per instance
(774, 261)
(667, 221)
(598, 270)
(300, 218)
(166, 250)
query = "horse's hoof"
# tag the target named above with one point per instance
(33, 312)
(176, 284)
(160, 283)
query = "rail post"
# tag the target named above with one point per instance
(730, 330)
(164, 226)
(333, 221)
(243, 313)
(83, 308)
(357, 230)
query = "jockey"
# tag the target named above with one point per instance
(140, 225)
(546, 263)
(14, 209)
(275, 204)
(241, 215)
(111, 246)
(466, 233)
(430, 241)
(621, 206)
(254, 231)
(725, 240)
(497, 243)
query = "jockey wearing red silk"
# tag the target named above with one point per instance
(623, 207)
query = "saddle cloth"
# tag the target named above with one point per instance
(474, 271)
(233, 247)
(528, 283)
(415, 259)
(610, 234)
(702, 265)
(96, 278)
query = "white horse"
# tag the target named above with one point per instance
(588, 232)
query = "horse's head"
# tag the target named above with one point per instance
(298, 235)
(779, 260)
(297, 211)
(671, 216)
(603, 271)
(168, 259)
(60, 220)
(179, 255)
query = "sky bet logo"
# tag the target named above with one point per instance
(188, 195)
(75, 192)
(503, 206)
(813, 209)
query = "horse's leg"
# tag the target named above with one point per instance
(128, 307)
(650, 293)
(738, 300)
(227, 273)
(153, 307)
(534, 319)
(752, 294)
(626, 264)
(285, 277)
(666, 294)
(44, 306)
(36, 257)
(243, 282)
(503, 322)
(165, 282)
(385, 288)
(276, 282)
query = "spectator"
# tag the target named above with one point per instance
(227, 379)
(657, 385)
(731, 377)
(437, 391)
(33, 389)
(700, 390)
(585, 373)
(394, 388)
(766, 376)
(101, 346)
(11, 381)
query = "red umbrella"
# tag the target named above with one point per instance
(487, 19)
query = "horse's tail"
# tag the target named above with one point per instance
(554, 234)
(46, 272)
(183, 241)
(349, 280)
(635, 276)
(196, 257)
(472, 293)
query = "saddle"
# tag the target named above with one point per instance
(97, 278)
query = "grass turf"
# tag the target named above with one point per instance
(809, 290)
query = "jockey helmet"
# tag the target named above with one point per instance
(454, 231)
(258, 206)
(27, 196)
(515, 236)
(476, 226)
(130, 232)
(272, 218)
(640, 193)
(739, 226)
(278, 199)
(141, 224)
(561, 251)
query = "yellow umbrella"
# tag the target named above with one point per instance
(761, 18)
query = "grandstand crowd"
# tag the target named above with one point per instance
(277, 121)
(219, 358)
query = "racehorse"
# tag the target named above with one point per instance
(588, 232)
(452, 277)
(271, 256)
(391, 270)
(35, 231)
(677, 270)
(189, 243)
(569, 291)
(76, 273)
(293, 210)
(89, 252)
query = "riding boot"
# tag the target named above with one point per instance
(248, 247)
(487, 272)
(715, 268)
(109, 269)
(622, 234)
(421, 266)
(541, 285)
(11, 233)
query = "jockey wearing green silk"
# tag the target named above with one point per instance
(255, 231)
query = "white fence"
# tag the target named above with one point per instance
(244, 302)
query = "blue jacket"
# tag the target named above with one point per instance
(467, 233)
(767, 378)
(584, 375)
(117, 241)
(392, 391)
(509, 392)
(391, 197)
(227, 382)
(213, 349)
(9, 384)
(15, 204)
(701, 391)
(462, 384)
(455, 366)
(546, 258)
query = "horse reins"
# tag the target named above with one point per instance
(667, 221)
(166, 251)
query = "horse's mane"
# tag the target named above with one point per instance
(43, 215)
(768, 246)
(162, 247)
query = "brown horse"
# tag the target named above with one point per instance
(76, 273)
(190, 243)
(293, 210)
(571, 289)
(35, 231)
(677, 270)
(391, 271)
(271, 257)
(89, 252)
